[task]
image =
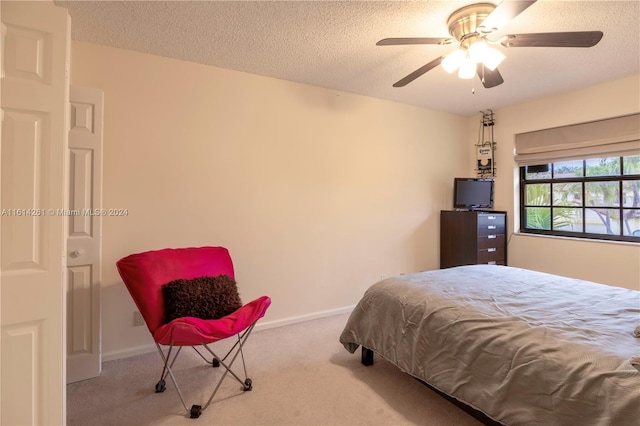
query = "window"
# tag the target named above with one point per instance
(596, 198)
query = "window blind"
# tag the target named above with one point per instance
(610, 137)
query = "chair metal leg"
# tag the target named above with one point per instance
(196, 410)
(214, 362)
(247, 384)
(167, 369)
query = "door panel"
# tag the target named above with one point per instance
(34, 85)
(85, 232)
(23, 146)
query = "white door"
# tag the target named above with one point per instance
(34, 182)
(85, 232)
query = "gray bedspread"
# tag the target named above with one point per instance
(524, 347)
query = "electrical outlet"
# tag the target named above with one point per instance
(137, 319)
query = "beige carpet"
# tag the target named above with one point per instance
(301, 376)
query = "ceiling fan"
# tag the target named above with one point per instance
(470, 27)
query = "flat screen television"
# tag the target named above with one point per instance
(472, 193)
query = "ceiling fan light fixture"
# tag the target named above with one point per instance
(452, 61)
(481, 53)
(467, 69)
(492, 58)
(477, 51)
(471, 25)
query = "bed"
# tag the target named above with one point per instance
(522, 347)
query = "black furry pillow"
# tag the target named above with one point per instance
(202, 297)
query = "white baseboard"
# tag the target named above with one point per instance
(126, 353)
(303, 318)
(143, 349)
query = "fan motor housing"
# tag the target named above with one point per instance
(464, 22)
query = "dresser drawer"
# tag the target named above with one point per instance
(494, 262)
(491, 224)
(491, 255)
(490, 241)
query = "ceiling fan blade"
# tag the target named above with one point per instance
(413, 40)
(503, 13)
(562, 39)
(489, 78)
(417, 73)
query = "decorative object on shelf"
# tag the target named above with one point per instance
(486, 164)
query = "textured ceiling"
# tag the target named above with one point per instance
(332, 44)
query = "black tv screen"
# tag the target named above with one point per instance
(472, 193)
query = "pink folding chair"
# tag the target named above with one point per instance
(144, 275)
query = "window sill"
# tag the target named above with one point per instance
(581, 240)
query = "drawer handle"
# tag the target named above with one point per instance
(491, 250)
(492, 236)
(491, 227)
(493, 262)
(492, 217)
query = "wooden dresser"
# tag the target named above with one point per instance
(472, 237)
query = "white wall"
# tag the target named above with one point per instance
(315, 192)
(612, 263)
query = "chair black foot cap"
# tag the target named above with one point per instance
(248, 385)
(196, 410)
(160, 386)
(215, 363)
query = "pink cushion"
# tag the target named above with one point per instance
(144, 274)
